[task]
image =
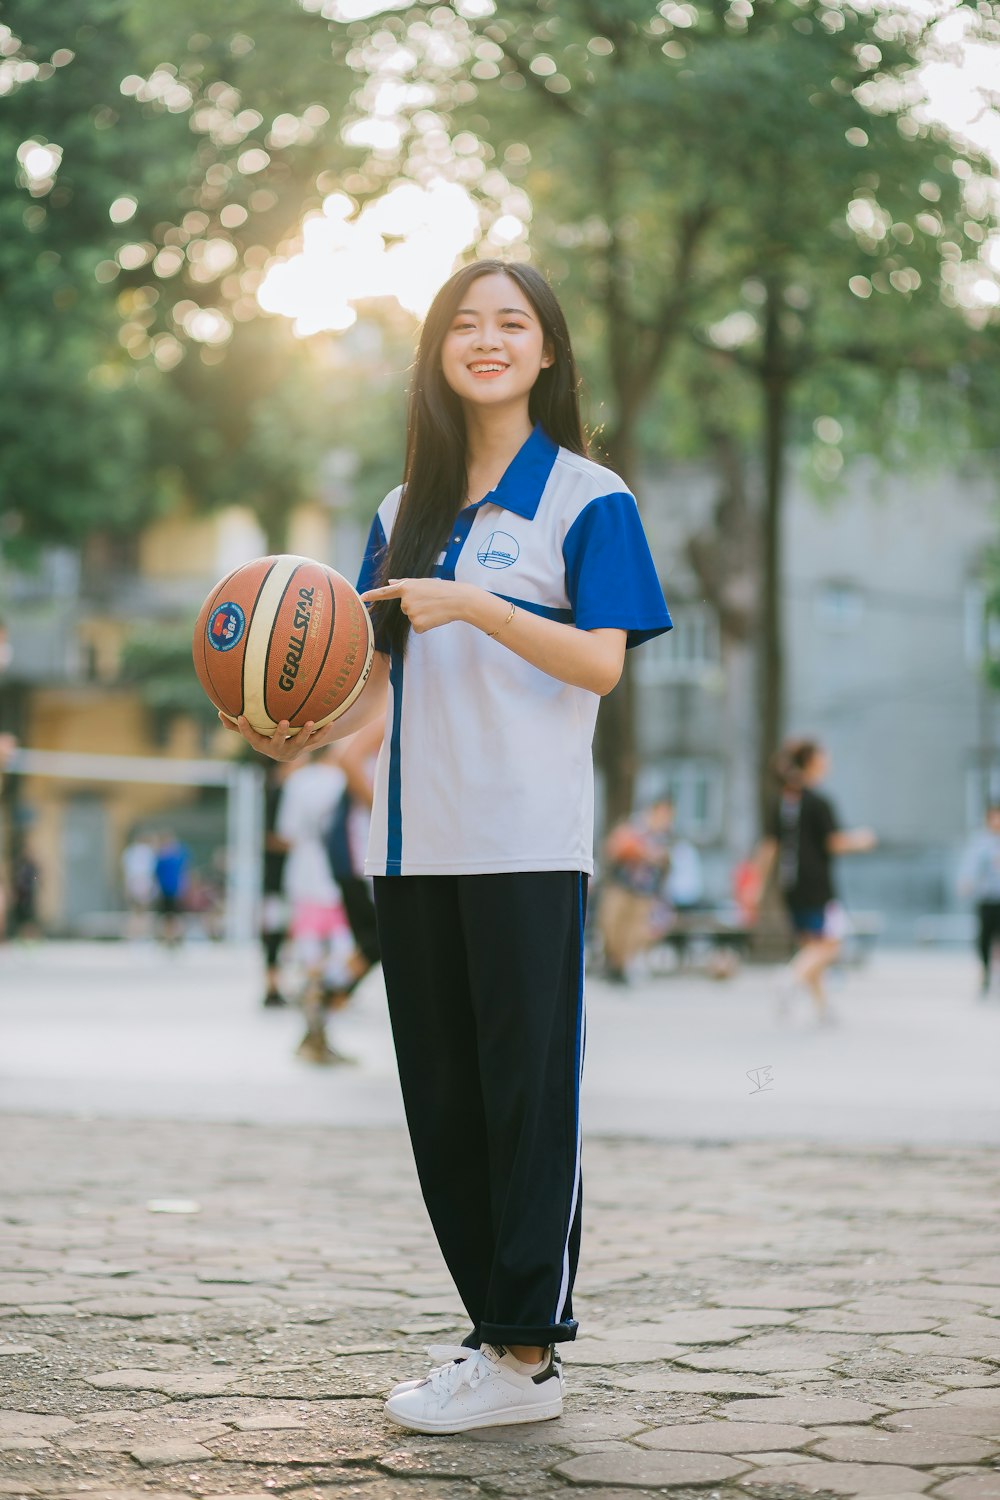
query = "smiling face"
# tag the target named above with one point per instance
(495, 346)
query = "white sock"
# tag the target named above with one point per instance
(519, 1366)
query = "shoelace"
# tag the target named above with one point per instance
(466, 1367)
(461, 1367)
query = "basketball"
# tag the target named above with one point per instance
(283, 638)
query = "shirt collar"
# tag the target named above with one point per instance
(526, 475)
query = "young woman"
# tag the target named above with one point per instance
(804, 835)
(507, 574)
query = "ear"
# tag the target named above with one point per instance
(548, 355)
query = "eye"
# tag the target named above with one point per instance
(514, 325)
(461, 327)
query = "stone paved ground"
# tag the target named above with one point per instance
(761, 1320)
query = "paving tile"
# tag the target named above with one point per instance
(982, 1421)
(180, 1451)
(753, 1362)
(455, 1461)
(591, 1426)
(139, 1307)
(717, 1332)
(986, 1397)
(300, 1446)
(896, 1495)
(842, 1479)
(266, 1423)
(681, 1384)
(725, 1437)
(805, 1410)
(982, 1486)
(20, 1429)
(189, 1383)
(592, 1351)
(839, 1320)
(639, 1469)
(778, 1296)
(869, 1445)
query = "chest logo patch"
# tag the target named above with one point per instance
(499, 550)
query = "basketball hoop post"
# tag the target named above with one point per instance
(244, 850)
(243, 786)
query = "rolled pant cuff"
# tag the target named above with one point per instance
(537, 1334)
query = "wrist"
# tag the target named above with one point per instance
(480, 608)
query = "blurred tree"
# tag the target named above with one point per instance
(112, 400)
(751, 178)
(682, 152)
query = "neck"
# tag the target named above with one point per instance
(494, 435)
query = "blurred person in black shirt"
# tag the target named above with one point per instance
(803, 834)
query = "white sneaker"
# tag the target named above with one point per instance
(447, 1354)
(478, 1390)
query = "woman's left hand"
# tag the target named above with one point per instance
(426, 602)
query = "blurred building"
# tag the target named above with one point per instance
(886, 643)
(69, 688)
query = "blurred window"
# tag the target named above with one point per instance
(696, 786)
(981, 626)
(839, 605)
(982, 786)
(689, 652)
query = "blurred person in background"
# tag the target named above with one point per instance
(139, 884)
(274, 916)
(803, 835)
(8, 744)
(320, 931)
(636, 862)
(980, 879)
(24, 894)
(347, 842)
(685, 884)
(170, 874)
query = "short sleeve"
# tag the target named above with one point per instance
(611, 579)
(371, 568)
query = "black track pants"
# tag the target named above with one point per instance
(484, 975)
(989, 930)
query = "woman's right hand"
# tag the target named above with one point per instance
(282, 744)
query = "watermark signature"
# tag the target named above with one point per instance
(761, 1078)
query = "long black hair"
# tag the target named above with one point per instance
(435, 475)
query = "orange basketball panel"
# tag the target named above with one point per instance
(221, 630)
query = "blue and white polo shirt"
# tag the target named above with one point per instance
(487, 761)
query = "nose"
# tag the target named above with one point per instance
(487, 338)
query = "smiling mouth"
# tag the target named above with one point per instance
(487, 368)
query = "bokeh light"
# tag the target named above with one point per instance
(402, 245)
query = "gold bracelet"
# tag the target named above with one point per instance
(492, 634)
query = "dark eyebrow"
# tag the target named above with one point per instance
(471, 311)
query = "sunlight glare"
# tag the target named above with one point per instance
(346, 259)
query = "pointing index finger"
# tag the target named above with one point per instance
(388, 591)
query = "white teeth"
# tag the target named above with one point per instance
(484, 369)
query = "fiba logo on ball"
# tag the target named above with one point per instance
(226, 625)
(499, 550)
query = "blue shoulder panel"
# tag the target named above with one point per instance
(611, 579)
